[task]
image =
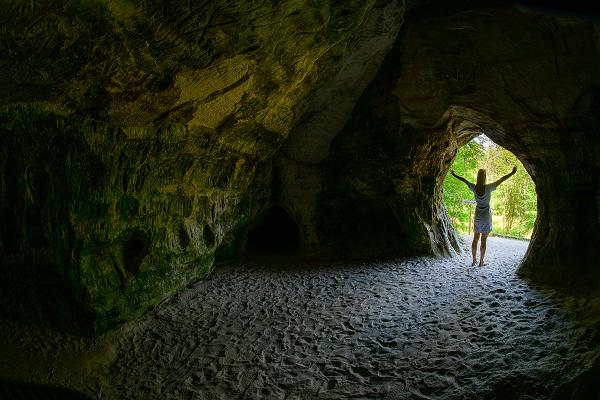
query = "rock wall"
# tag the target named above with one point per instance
(138, 138)
(104, 222)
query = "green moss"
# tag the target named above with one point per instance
(100, 150)
(124, 218)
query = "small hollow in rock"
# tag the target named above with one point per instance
(276, 233)
(134, 251)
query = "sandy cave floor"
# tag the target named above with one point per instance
(417, 328)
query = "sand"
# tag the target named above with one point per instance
(418, 328)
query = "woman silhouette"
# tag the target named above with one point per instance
(482, 224)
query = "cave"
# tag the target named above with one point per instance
(276, 233)
(154, 156)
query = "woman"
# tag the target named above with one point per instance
(483, 215)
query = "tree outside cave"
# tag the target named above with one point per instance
(514, 203)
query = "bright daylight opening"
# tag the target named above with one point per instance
(513, 203)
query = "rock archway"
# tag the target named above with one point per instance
(521, 78)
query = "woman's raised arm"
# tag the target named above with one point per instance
(505, 177)
(460, 178)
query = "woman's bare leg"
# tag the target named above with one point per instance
(484, 237)
(474, 247)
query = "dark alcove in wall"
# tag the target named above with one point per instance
(277, 233)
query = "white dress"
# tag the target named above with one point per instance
(483, 213)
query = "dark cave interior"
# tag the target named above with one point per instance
(139, 143)
(275, 234)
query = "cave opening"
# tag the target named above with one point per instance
(513, 203)
(276, 233)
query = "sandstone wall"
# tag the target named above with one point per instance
(138, 138)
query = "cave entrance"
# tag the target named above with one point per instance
(513, 203)
(276, 233)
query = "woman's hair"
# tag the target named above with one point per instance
(479, 186)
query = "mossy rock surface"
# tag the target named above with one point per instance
(137, 139)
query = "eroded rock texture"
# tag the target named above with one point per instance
(140, 141)
(137, 138)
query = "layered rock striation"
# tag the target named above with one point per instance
(138, 139)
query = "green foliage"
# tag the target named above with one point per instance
(514, 203)
(465, 164)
